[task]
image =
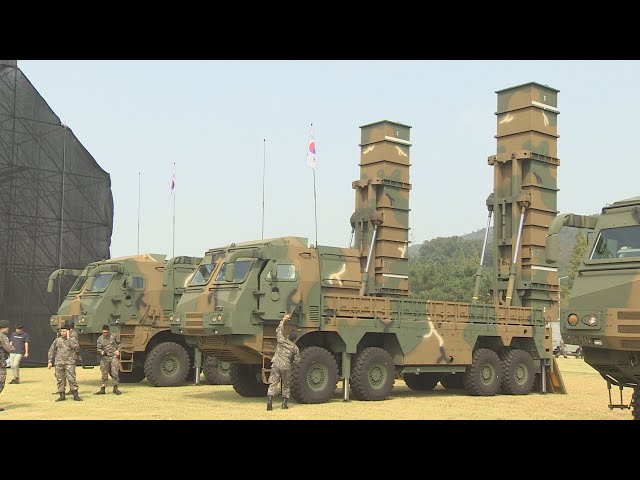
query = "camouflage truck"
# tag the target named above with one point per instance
(351, 306)
(603, 312)
(135, 295)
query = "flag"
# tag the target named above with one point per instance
(311, 151)
(172, 183)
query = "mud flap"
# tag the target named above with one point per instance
(555, 384)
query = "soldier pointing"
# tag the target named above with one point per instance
(287, 352)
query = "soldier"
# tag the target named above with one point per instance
(109, 348)
(286, 352)
(65, 350)
(5, 350)
(73, 335)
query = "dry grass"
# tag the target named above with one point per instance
(33, 399)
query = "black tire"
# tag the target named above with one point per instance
(452, 381)
(483, 376)
(167, 365)
(134, 376)
(518, 372)
(372, 375)
(315, 376)
(247, 380)
(216, 372)
(421, 381)
(635, 404)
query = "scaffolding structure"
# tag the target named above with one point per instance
(56, 208)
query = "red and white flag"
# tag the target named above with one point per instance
(311, 151)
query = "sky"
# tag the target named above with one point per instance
(212, 119)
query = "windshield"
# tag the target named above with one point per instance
(77, 285)
(242, 267)
(100, 282)
(620, 243)
(201, 276)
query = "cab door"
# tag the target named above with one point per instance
(279, 287)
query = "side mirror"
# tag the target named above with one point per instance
(229, 272)
(552, 248)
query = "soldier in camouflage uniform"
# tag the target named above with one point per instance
(63, 352)
(5, 349)
(109, 349)
(73, 335)
(286, 353)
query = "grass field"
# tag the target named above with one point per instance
(33, 399)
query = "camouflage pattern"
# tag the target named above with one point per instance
(74, 335)
(136, 296)
(5, 350)
(235, 318)
(603, 312)
(66, 374)
(525, 177)
(63, 353)
(286, 354)
(109, 362)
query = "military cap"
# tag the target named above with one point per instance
(4, 323)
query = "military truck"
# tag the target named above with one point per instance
(603, 313)
(135, 296)
(351, 306)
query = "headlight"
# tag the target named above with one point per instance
(597, 342)
(219, 317)
(572, 319)
(591, 320)
(171, 318)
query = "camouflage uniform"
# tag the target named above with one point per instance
(286, 351)
(63, 352)
(109, 363)
(5, 349)
(73, 334)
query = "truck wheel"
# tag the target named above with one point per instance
(635, 403)
(216, 371)
(518, 372)
(167, 365)
(315, 376)
(247, 380)
(421, 381)
(452, 381)
(134, 376)
(482, 377)
(372, 374)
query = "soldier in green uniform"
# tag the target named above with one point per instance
(5, 350)
(286, 353)
(109, 348)
(73, 334)
(63, 352)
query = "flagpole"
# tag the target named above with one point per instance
(315, 205)
(138, 213)
(264, 163)
(173, 254)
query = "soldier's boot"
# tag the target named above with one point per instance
(269, 402)
(100, 392)
(116, 391)
(61, 397)
(284, 403)
(1, 409)
(76, 397)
